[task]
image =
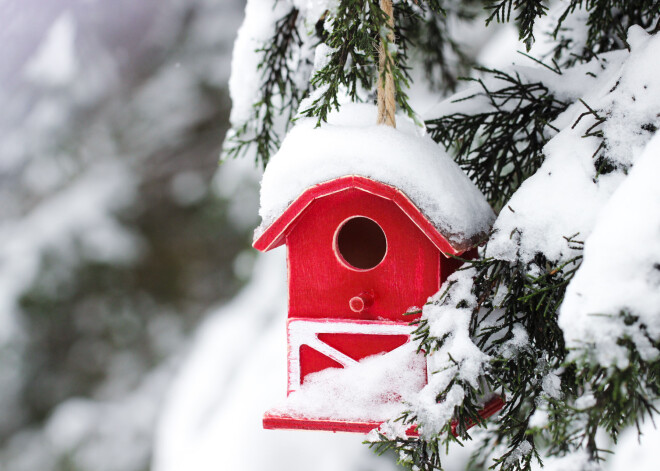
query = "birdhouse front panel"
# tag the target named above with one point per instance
(355, 255)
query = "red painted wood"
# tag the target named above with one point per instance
(321, 284)
(312, 361)
(286, 422)
(359, 346)
(275, 234)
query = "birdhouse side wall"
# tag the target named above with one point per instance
(321, 284)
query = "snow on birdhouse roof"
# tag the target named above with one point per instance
(350, 143)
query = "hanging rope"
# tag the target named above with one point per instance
(386, 98)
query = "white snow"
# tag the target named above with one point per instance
(350, 143)
(312, 10)
(521, 451)
(637, 452)
(551, 385)
(564, 197)
(374, 389)
(612, 213)
(620, 271)
(54, 63)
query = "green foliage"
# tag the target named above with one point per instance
(354, 32)
(509, 298)
(620, 396)
(501, 146)
(352, 37)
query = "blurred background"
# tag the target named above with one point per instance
(118, 234)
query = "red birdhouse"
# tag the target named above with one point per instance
(370, 216)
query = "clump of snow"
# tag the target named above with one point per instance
(516, 344)
(585, 401)
(551, 384)
(620, 271)
(539, 418)
(351, 143)
(564, 197)
(457, 358)
(312, 10)
(521, 451)
(322, 55)
(55, 63)
(374, 389)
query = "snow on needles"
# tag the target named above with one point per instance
(564, 197)
(458, 357)
(375, 389)
(351, 143)
(616, 213)
(620, 271)
(244, 82)
(258, 28)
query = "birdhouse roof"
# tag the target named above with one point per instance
(402, 164)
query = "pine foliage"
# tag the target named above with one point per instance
(512, 304)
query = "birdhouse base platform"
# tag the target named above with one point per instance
(274, 420)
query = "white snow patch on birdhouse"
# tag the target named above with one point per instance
(620, 271)
(374, 389)
(351, 143)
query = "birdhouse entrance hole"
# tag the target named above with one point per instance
(361, 243)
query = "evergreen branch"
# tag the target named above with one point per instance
(508, 297)
(500, 147)
(619, 397)
(279, 93)
(355, 30)
(353, 35)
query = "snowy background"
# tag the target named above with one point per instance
(138, 329)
